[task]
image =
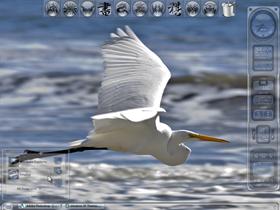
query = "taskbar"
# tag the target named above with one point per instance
(89, 206)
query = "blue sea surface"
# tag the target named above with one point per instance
(187, 45)
(50, 71)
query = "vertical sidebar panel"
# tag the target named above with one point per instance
(263, 100)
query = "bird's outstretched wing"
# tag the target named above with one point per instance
(134, 79)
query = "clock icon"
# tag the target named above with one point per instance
(263, 24)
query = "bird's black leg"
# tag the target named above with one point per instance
(30, 154)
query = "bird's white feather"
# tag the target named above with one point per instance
(134, 78)
(116, 120)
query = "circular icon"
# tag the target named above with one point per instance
(192, 8)
(210, 8)
(104, 8)
(52, 8)
(263, 24)
(87, 8)
(175, 8)
(122, 8)
(140, 8)
(158, 8)
(70, 8)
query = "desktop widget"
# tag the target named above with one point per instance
(263, 103)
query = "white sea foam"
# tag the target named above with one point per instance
(200, 184)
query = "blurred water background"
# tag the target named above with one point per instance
(50, 71)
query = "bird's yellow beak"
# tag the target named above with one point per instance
(207, 138)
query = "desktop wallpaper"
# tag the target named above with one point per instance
(50, 72)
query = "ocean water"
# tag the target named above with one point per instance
(50, 72)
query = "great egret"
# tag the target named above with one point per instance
(127, 117)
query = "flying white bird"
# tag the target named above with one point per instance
(127, 117)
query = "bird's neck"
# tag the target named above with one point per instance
(176, 139)
(174, 153)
